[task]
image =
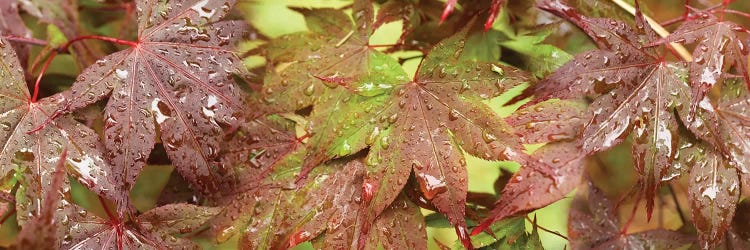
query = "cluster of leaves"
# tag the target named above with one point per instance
(332, 141)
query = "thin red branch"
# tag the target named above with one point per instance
(101, 38)
(41, 73)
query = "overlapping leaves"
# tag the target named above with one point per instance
(33, 157)
(177, 79)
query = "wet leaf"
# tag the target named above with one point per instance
(432, 120)
(256, 149)
(714, 193)
(156, 229)
(401, 225)
(331, 203)
(720, 48)
(337, 73)
(636, 93)
(531, 188)
(34, 156)
(549, 121)
(725, 125)
(621, 60)
(40, 231)
(177, 79)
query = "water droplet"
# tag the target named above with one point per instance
(373, 136)
(488, 137)
(431, 185)
(453, 115)
(309, 90)
(498, 70)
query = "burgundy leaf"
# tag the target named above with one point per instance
(34, 156)
(277, 216)
(255, 149)
(156, 229)
(725, 125)
(635, 91)
(530, 188)
(40, 231)
(714, 193)
(177, 78)
(432, 120)
(720, 46)
(620, 60)
(400, 226)
(549, 121)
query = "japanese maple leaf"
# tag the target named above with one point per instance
(43, 223)
(714, 191)
(720, 47)
(34, 156)
(256, 149)
(334, 53)
(157, 228)
(177, 79)
(430, 121)
(273, 217)
(620, 60)
(635, 90)
(557, 123)
(333, 57)
(718, 172)
(528, 189)
(593, 224)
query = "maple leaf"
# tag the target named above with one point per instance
(635, 90)
(43, 223)
(724, 124)
(34, 156)
(429, 122)
(718, 172)
(331, 202)
(156, 229)
(256, 148)
(720, 47)
(549, 121)
(558, 123)
(335, 52)
(400, 225)
(593, 224)
(338, 73)
(178, 77)
(714, 193)
(528, 189)
(620, 60)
